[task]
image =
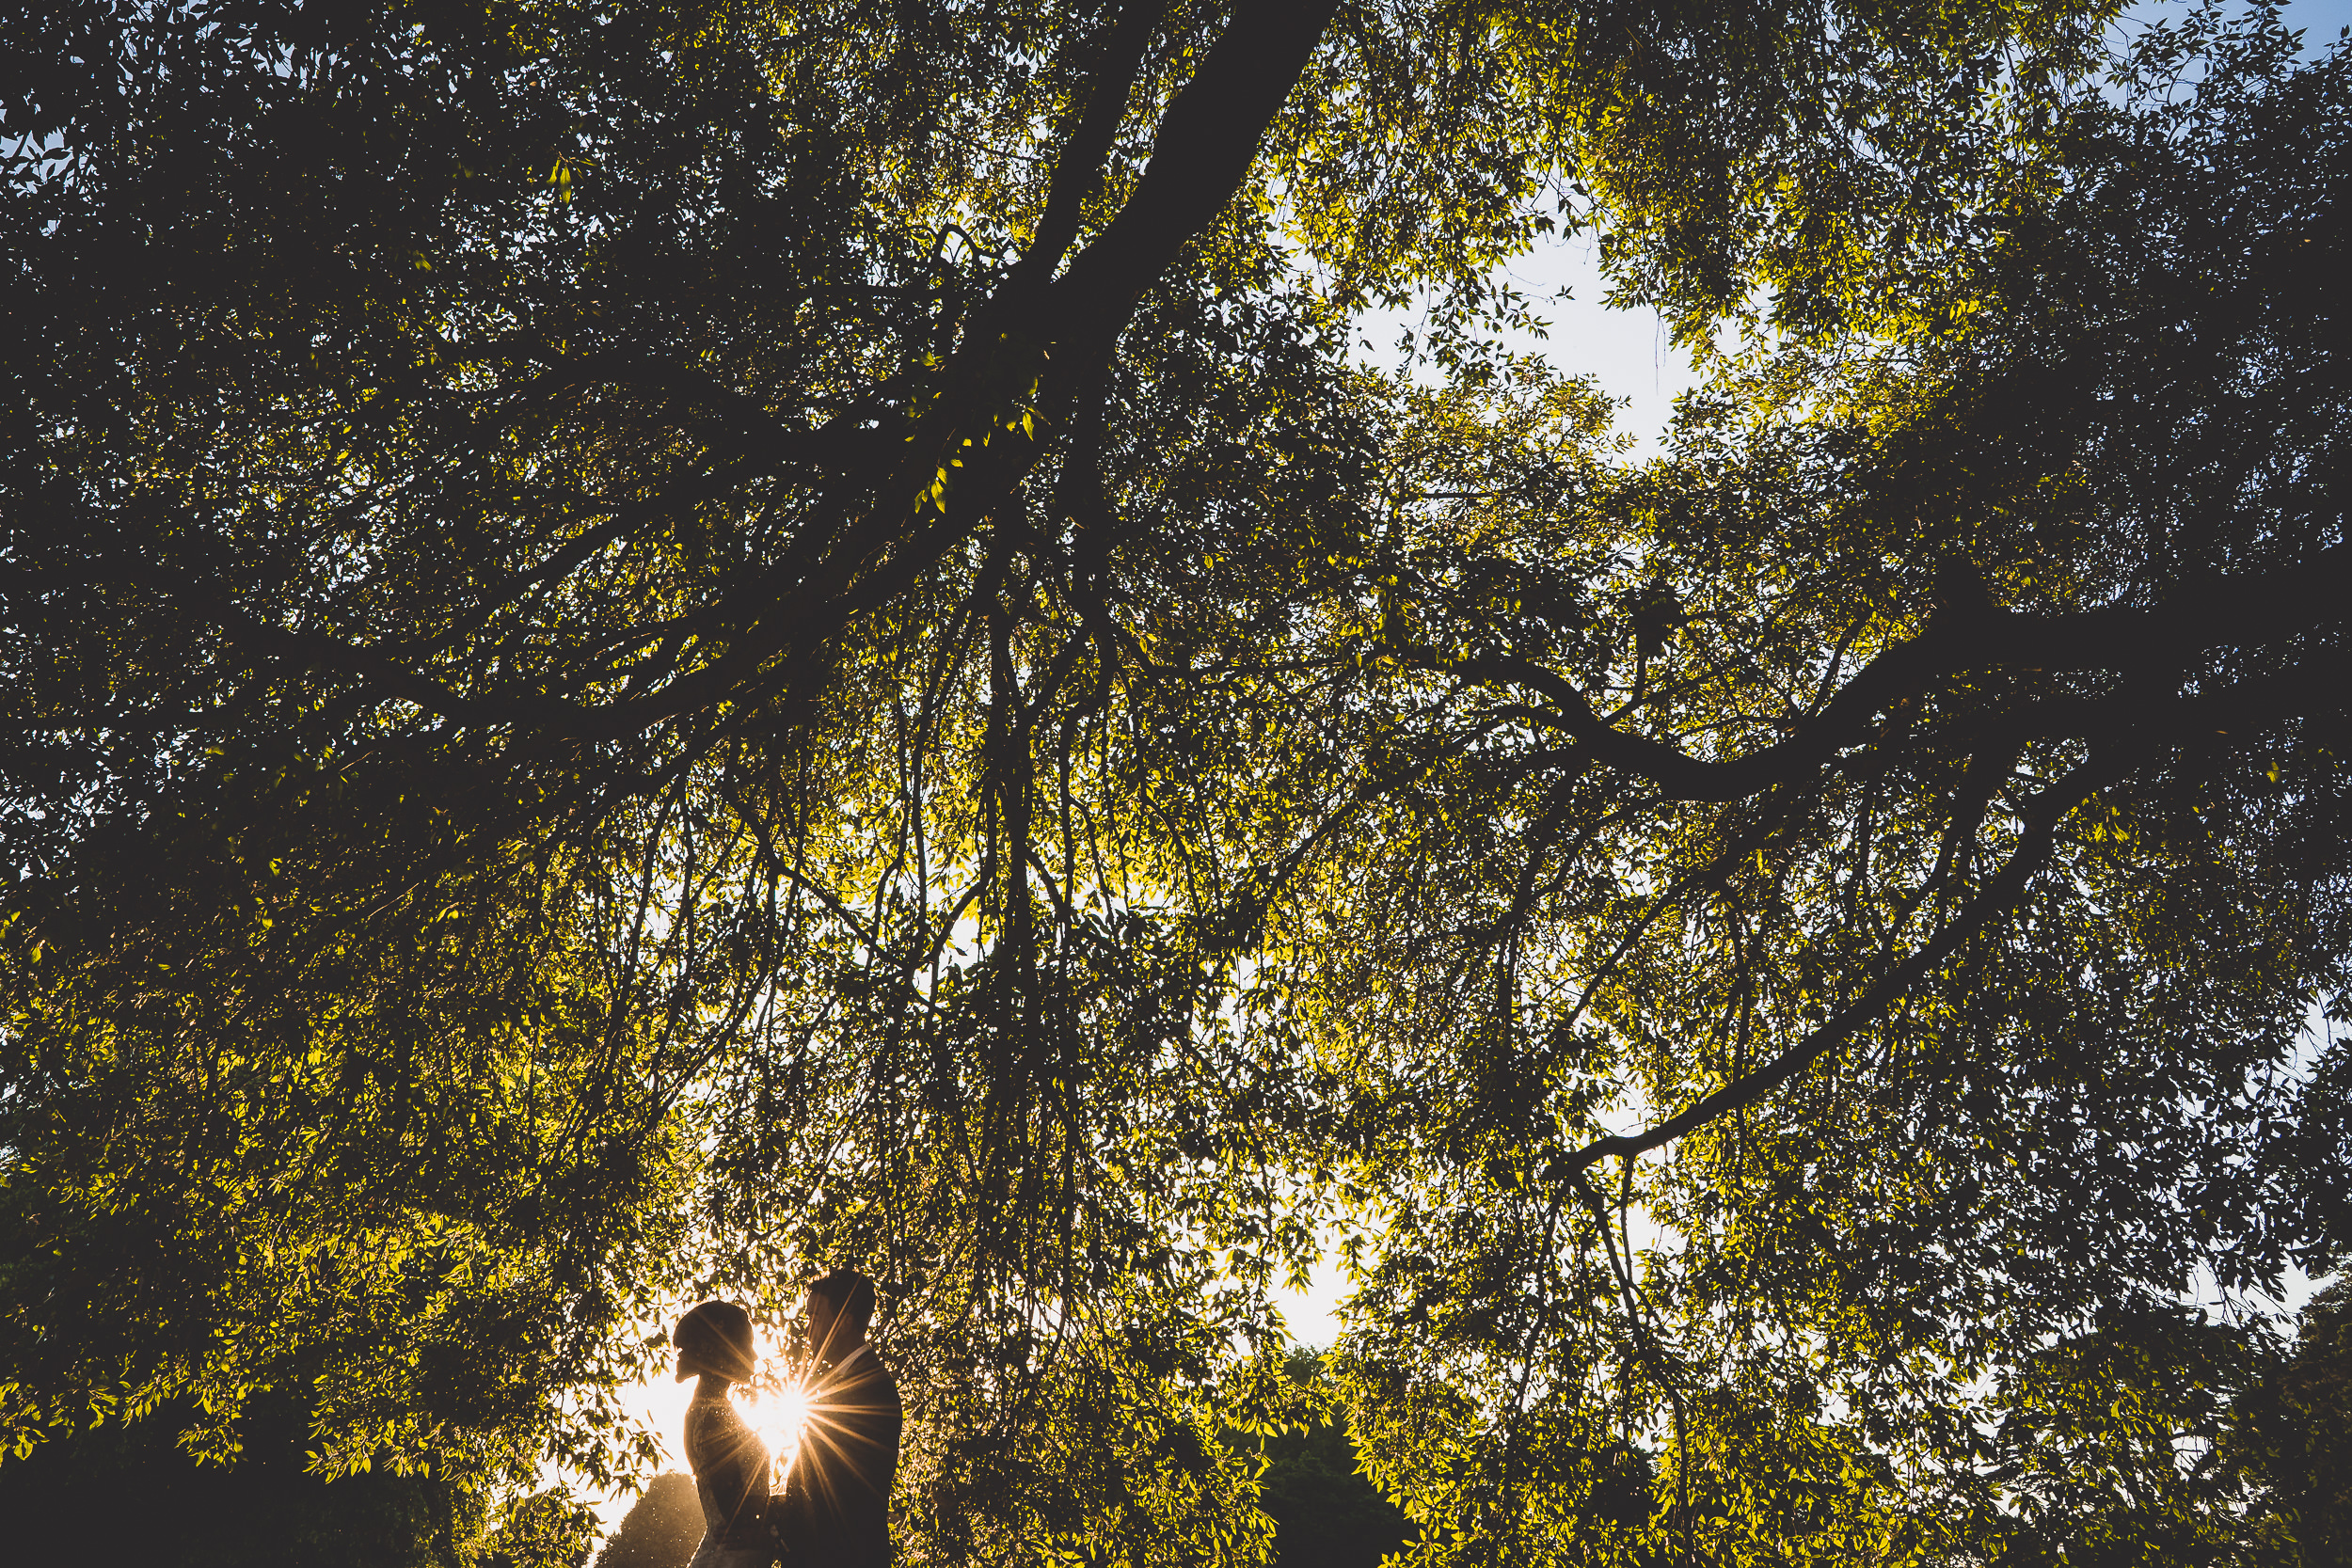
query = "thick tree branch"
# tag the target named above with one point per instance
(2119, 751)
(2252, 612)
(1199, 158)
(1078, 169)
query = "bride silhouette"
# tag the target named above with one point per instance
(729, 1461)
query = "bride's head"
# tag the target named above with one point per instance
(715, 1340)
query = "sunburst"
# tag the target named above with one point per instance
(777, 1418)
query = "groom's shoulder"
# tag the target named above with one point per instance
(877, 1365)
(872, 1367)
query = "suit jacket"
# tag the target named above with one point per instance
(836, 1509)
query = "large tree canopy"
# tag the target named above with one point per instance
(655, 648)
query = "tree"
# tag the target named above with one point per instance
(1901, 885)
(804, 613)
(126, 1494)
(2292, 1431)
(548, 1528)
(660, 1529)
(1326, 1513)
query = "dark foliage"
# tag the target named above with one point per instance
(2294, 1431)
(1326, 1513)
(125, 1496)
(660, 1529)
(660, 647)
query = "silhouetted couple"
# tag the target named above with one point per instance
(835, 1510)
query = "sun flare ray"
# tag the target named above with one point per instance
(778, 1417)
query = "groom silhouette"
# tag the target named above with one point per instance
(836, 1509)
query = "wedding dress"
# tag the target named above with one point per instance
(730, 1466)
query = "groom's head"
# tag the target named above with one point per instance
(841, 1310)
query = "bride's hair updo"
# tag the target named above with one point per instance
(715, 1338)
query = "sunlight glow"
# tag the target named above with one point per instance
(777, 1418)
